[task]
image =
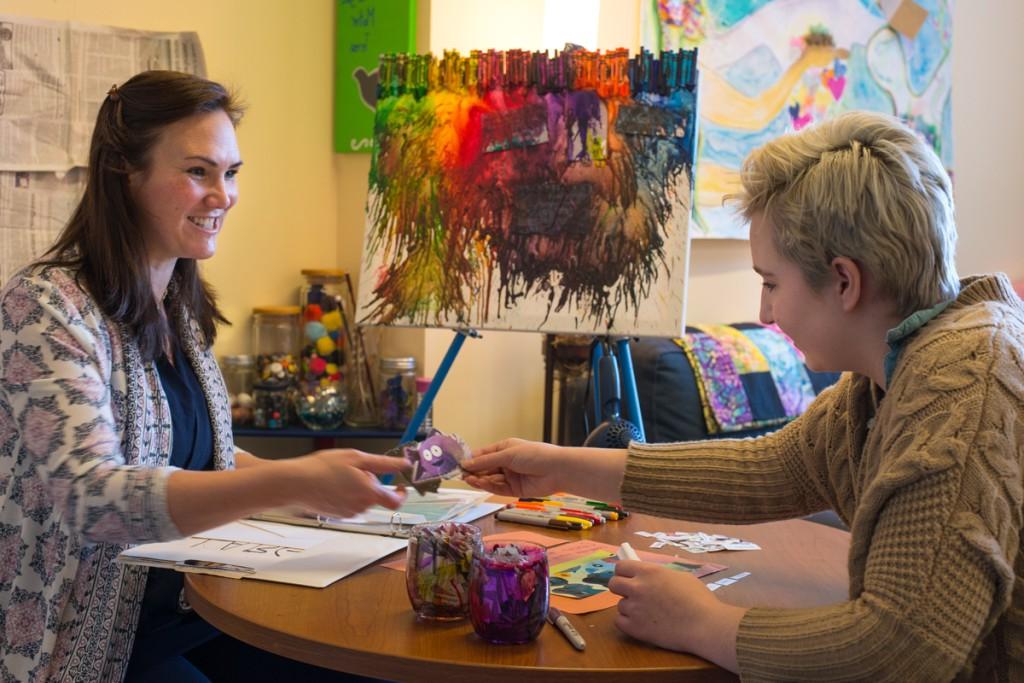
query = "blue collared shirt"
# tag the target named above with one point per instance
(898, 336)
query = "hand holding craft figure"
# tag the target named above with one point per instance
(517, 467)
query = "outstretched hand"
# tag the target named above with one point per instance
(516, 467)
(343, 482)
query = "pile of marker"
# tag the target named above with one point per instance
(561, 511)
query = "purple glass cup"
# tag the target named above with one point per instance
(508, 592)
(437, 569)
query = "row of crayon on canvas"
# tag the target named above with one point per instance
(561, 511)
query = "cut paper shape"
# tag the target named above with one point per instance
(697, 541)
(434, 459)
(906, 16)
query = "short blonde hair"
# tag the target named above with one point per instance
(864, 186)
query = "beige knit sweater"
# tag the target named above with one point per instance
(933, 494)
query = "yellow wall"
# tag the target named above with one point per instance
(302, 205)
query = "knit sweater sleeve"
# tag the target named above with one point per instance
(935, 534)
(56, 396)
(778, 476)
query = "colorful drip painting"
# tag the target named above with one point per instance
(769, 67)
(516, 191)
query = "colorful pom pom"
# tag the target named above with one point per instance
(332, 320)
(315, 331)
(313, 312)
(325, 346)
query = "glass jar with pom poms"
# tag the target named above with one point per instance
(326, 330)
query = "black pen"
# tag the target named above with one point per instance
(559, 621)
(218, 566)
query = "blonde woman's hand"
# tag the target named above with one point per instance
(516, 467)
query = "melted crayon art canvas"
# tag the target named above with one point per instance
(513, 191)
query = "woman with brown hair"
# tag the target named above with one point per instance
(114, 420)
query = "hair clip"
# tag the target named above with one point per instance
(113, 94)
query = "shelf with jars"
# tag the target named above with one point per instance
(308, 372)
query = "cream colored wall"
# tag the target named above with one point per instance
(988, 101)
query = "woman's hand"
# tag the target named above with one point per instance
(516, 467)
(674, 610)
(341, 482)
(336, 482)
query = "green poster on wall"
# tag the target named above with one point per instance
(365, 29)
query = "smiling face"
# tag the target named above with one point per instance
(435, 460)
(186, 189)
(810, 318)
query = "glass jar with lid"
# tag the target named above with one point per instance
(239, 377)
(325, 325)
(326, 312)
(275, 344)
(396, 386)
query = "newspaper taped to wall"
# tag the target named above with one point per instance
(54, 75)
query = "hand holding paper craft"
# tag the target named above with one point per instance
(433, 460)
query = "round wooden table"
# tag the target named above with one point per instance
(364, 624)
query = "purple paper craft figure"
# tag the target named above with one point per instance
(438, 455)
(435, 458)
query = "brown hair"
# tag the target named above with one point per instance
(102, 242)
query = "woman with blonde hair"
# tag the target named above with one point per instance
(919, 447)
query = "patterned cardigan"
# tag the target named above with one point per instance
(85, 438)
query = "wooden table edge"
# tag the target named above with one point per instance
(407, 668)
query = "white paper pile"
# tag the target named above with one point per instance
(697, 541)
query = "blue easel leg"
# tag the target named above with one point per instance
(630, 401)
(596, 352)
(413, 427)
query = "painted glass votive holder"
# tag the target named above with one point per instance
(438, 562)
(508, 592)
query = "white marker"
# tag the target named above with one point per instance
(626, 552)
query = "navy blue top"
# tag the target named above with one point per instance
(192, 434)
(191, 449)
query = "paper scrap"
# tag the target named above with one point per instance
(698, 541)
(728, 581)
(905, 16)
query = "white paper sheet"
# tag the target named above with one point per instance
(283, 553)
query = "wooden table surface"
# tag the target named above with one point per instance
(364, 623)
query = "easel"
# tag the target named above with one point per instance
(629, 395)
(627, 380)
(413, 428)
